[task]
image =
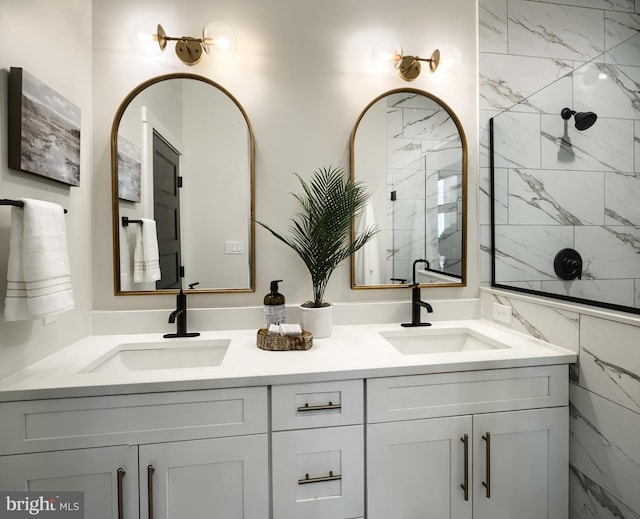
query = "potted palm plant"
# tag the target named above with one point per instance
(320, 233)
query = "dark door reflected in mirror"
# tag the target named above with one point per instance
(410, 150)
(182, 153)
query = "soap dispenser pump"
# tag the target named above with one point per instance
(274, 309)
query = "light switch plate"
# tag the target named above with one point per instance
(233, 247)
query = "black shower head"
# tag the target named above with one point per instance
(583, 120)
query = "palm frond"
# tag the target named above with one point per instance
(321, 228)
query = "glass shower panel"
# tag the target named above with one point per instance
(559, 183)
(408, 218)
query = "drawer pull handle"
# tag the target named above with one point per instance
(487, 483)
(150, 471)
(321, 479)
(325, 407)
(465, 485)
(121, 474)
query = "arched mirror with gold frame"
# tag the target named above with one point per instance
(182, 155)
(410, 149)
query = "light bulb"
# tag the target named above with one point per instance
(145, 36)
(386, 56)
(219, 40)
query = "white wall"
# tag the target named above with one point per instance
(302, 73)
(52, 41)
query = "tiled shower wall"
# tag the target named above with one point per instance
(524, 47)
(557, 187)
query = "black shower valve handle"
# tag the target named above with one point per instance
(568, 264)
(573, 265)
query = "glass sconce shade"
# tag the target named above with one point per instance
(219, 40)
(386, 56)
(450, 61)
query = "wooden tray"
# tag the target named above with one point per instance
(281, 343)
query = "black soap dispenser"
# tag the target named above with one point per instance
(274, 309)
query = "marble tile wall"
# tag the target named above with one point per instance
(526, 48)
(533, 62)
(604, 400)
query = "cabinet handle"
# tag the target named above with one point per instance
(121, 473)
(487, 483)
(465, 485)
(150, 471)
(325, 407)
(321, 479)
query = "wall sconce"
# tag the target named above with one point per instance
(216, 39)
(409, 67)
(389, 56)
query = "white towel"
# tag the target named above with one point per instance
(38, 273)
(146, 261)
(367, 259)
(290, 330)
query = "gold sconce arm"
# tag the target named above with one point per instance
(409, 67)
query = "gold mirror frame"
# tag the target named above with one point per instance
(464, 174)
(115, 210)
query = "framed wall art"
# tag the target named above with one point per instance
(129, 170)
(44, 130)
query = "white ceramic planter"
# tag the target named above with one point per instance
(318, 321)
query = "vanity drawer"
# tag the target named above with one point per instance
(322, 404)
(72, 423)
(318, 473)
(451, 394)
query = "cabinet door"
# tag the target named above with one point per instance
(92, 471)
(318, 473)
(416, 468)
(220, 477)
(522, 470)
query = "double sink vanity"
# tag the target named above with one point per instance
(458, 420)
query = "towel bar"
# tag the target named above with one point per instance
(16, 203)
(126, 221)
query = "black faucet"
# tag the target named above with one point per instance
(179, 316)
(416, 302)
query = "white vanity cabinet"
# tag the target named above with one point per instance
(484, 444)
(160, 455)
(318, 450)
(107, 476)
(190, 479)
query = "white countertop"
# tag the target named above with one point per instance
(353, 351)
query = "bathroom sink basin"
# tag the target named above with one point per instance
(417, 341)
(176, 354)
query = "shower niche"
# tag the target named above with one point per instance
(565, 174)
